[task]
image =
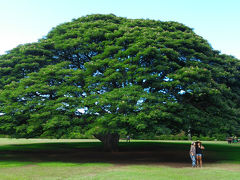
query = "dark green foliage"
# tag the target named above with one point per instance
(130, 77)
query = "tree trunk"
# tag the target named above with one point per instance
(110, 141)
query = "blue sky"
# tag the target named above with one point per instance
(218, 21)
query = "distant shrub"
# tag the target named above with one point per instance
(206, 138)
(180, 136)
(194, 138)
(76, 135)
(221, 137)
(4, 136)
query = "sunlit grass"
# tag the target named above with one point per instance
(4, 164)
(64, 164)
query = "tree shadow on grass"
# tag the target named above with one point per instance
(172, 154)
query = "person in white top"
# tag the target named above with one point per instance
(192, 153)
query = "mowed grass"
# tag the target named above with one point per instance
(52, 159)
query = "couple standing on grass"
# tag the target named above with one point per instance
(196, 153)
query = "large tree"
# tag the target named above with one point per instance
(110, 76)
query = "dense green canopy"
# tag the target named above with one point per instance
(107, 75)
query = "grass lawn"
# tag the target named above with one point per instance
(52, 159)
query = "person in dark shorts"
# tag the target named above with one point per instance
(199, 153)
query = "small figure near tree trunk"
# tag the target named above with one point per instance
(229, 140)
(128, 138)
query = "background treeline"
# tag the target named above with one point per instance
(139, 137)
